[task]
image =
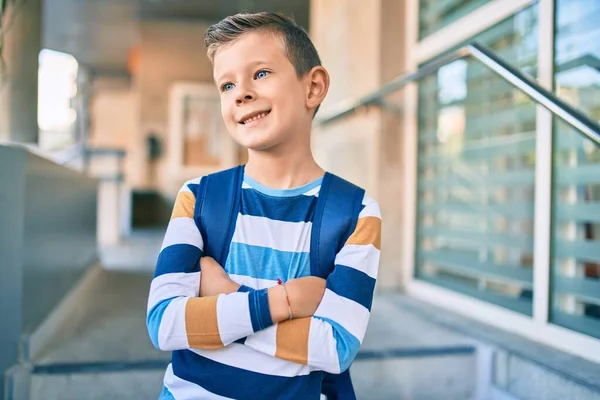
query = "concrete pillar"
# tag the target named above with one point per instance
(19, 80)
(362, 45)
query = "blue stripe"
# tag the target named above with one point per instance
(166, 395)
(237, 383)
(290, 209)
(347, 345)
(178, 258)
(244, 288)
(266, 263)
(352, 284)
(260, 314)
(282, 192)
(154, 319)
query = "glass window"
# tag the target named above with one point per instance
(576, 172)
(436, 14)
(476, 173)
(57, 86)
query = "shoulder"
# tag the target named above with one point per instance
(370, 208)
(191, 186)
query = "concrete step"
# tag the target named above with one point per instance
(411, 351)
(109, 325)
(105, 353)
(449, 377)
(121, 385)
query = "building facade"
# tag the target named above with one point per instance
(491, 202)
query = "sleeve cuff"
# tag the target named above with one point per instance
(260, 314)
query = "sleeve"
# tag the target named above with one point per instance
(330, 340)
(176, 317)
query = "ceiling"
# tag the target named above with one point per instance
(100, 33)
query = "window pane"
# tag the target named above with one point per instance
(436, 14)
(576, 169)
(476, 173)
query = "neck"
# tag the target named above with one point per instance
(280, 169)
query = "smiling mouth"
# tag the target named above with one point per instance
(254, 117)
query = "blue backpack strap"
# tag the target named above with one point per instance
(336, 213)
(216, 213)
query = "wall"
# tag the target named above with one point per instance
(113, 117)
(12, 191)
(47, 240)
(360, 43)
(19, 81)
(169, 51)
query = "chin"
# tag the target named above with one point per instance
(259, 145)
(258, 141)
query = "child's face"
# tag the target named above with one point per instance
(263, 102)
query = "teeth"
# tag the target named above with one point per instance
(259, 116)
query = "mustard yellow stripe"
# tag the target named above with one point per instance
(184, 205)
(368, 231)
(201, 323)
(292, 340)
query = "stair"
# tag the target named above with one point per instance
(106, 353)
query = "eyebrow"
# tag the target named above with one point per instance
(253, 64)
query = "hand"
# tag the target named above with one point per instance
(214, 280)
(305, 295)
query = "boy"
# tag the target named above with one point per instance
(234, 331)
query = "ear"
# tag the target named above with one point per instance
(317, 81)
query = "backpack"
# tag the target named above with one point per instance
(336, 213)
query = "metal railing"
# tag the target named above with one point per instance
(523, 82)
(467, 256)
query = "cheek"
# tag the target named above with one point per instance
(227, 112)
(288, 103)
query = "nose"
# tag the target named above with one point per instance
(244, 95)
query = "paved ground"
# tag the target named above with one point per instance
(112, 335)
(409, 353)
(106, 354)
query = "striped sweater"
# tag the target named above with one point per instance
(226, 347)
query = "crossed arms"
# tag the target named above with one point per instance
(330, 316)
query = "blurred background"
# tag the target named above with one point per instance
(484, 158)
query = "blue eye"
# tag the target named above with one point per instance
(262, 74)
(227, 87)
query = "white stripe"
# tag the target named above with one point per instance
(184, 390)
(246, 186)
(195, 181)
(182, 230)
(278, 235)
(313, 192)
(264, 341)
(371, 208)
(348, 313)
(251, 282)
(172, 334)
(185, 188)
(361, 257)
(322, 352)
(233, 317)
(244, 357)
(174, 284)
